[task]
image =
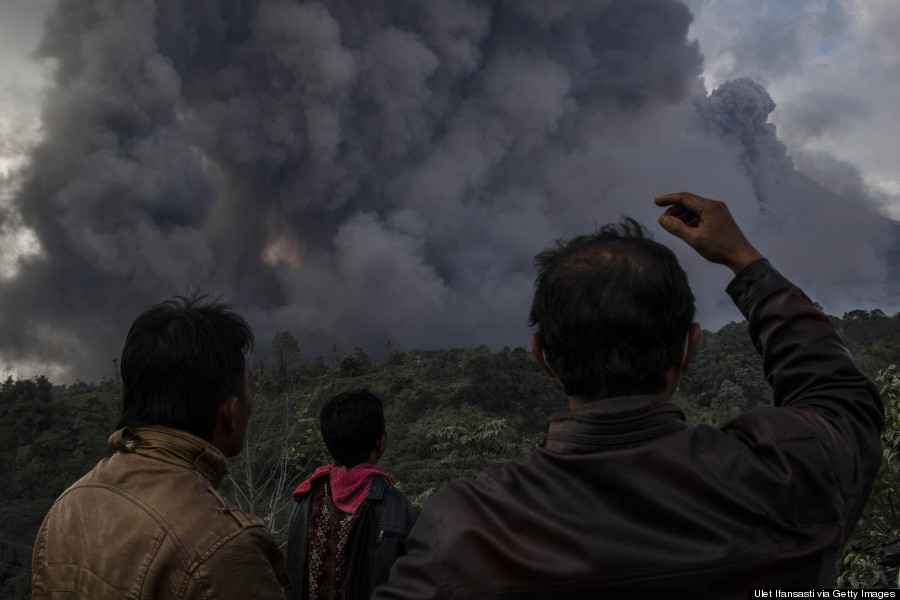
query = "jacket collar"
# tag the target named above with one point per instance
(172, 446)
(612, 423)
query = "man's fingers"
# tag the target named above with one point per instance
(691, 202)
(667, 199)
(708, 227)
(673, 225)
(676, 198)
(686, 216)
(684, 207)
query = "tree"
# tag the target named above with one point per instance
(856, 315)
(318, 367)
(862, 564)
(351, 366)
(396, 358)
(464, 447)
(281, 446)
(284, 353)
(49, 437)
(730, 399)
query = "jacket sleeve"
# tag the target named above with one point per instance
(812, 375)
(295, 582)
(415, 575)
(247, 565)
(396, 517)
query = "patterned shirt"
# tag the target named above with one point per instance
(333, 547)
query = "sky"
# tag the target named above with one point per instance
(387, 173)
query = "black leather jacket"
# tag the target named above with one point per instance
(625, 500)
(394, 515)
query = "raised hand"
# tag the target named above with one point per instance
(708, 227)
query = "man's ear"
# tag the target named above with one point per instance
(539, 355)
(227, 411)
(378, 450)
(224, 427)
(693, 339)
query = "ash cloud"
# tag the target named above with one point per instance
(771, 39)
(738, 111)
(357, 173)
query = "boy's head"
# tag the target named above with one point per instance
(352, 423)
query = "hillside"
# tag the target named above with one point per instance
(449, 412)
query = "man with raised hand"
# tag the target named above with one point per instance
(623, 498)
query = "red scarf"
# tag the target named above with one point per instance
(349, 487)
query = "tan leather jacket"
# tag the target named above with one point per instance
(148, 523)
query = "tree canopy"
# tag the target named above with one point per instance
(449, 412)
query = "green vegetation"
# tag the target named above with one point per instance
(49, 437)
(871, 556)
(449, 412)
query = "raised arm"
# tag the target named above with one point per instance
(804, 358)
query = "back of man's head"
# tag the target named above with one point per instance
(181, 359)
(351, 424)
(611, 312)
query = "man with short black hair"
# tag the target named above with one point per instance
(350, 522)
(624, 499)
(613, 312)
(147, 522)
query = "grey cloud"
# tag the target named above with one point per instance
(880, 19)
(836, 206)
(846, 181)
(356, 172)
(770, 40)
(820, 113)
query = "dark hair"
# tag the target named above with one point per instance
(351, 423)
(181, 359)
(611, 311)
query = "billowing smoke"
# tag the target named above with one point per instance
(357, 172)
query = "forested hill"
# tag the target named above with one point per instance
(449, 413)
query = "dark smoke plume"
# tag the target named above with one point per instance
(357, 172)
